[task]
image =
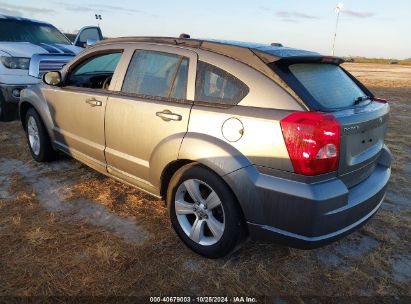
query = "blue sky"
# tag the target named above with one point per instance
(378, 28)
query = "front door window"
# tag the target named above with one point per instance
(94, 73)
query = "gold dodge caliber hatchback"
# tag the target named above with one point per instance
(239, 139)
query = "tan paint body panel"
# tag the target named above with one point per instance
(262, 141)
(125, 139)
(78, 127)
(264, 92)
(135, 134)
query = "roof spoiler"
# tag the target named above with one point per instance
(311, 59)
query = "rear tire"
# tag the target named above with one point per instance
(204, 212)
(38, 139)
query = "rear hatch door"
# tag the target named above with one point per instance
(362, 138)
(325, 86)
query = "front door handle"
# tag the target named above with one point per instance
(94, 102)
(167, 115)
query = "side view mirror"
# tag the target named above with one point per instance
(87, 35)
(90, 42)
(52, 78)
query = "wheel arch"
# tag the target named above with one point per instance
(212, 152)
(215, 155)
(173, 167)
(168, 173)
(24, 106)
(33, 97)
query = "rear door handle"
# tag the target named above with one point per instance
(167, 115)
(94, 102)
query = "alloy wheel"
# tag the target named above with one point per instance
(33, 133)
(200, 212)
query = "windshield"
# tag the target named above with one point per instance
(328, 84)
(33, 32)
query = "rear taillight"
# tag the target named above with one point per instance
(313, 142)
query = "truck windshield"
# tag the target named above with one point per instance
(33, 32)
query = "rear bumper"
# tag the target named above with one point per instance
(311, 215)
(272, 234)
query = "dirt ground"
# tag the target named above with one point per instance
(67, 230)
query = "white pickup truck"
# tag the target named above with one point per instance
(28, 49)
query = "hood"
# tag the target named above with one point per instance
(27, 49)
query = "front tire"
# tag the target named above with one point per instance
(204, 212)
(37, 138)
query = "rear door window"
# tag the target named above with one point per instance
(328, 84)
(214, 85)
(158, 74)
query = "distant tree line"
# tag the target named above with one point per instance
(359, 59)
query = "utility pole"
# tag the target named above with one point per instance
(98, 17)
(337, 10)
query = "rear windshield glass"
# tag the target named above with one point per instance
(328, 84)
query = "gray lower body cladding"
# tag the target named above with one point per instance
(306, 215)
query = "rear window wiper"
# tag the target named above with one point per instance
(361, 99)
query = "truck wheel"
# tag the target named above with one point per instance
(204, 212)
(37, 138)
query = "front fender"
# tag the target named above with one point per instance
(33, 96)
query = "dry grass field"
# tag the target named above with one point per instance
(67, 230)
